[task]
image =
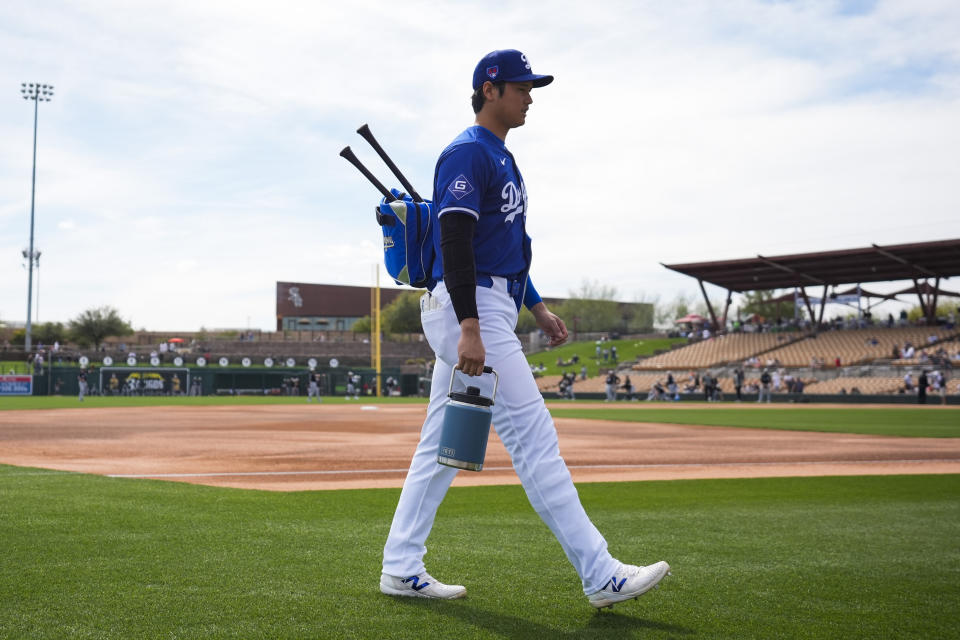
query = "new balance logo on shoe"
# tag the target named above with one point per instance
(416, 583)
(634, 581)
(614, 585)
(421, 585)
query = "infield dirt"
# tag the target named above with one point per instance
(292, 448)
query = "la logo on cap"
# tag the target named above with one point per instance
(493, 71)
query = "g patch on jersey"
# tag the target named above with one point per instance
(460, 187)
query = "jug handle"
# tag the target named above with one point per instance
(486, 369)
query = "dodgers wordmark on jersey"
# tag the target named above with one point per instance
(477, 175)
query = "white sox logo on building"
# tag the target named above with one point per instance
(516, 200)
(293, 295)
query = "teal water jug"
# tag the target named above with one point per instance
(466, 426)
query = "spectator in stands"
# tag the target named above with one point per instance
(789, 381)
(908, 381)
(843, 391)
(836, 362)
(583, 372)
(896, 351)
(908, 350)
(628, 388)
(797, 386)
(776, 380)
(738, 382)
(922, 384)
(764, 386)
(856, 390)
(672, 386)
(613, 352)
(612, 381)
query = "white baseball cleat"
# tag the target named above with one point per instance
(422, 585)
(629, 582)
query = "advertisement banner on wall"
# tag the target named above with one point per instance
(16, 385)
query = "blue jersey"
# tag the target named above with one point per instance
(476, 175)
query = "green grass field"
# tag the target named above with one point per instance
(886, 421)
(627, 351)
(94, 557)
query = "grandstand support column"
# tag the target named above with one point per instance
(923, 303)
(713, 316)
(806, 302)
(823, 307)
(726, 307)
(931, 319)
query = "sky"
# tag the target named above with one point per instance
(189, 158)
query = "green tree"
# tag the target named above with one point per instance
(760, 303)
(93, 325)
(526, 322)
(362, 325)
(915, 313)
(403, 314)
(49, 332)
(42, 333)
(668, 313)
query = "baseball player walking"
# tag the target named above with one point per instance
(469, 319)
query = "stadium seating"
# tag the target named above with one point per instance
(733, 347)
(853, 346)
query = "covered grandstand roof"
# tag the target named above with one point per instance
(939, 259)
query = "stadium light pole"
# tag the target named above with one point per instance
(36, 261)
(38, 93)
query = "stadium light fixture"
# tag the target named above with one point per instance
(38, 93)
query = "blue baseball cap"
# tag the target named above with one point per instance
(508, 65)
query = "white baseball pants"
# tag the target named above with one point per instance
(525, 427)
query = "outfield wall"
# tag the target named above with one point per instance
(214, 380)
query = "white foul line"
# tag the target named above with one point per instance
(681, 465)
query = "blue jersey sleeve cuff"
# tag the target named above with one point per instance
(531, 298)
